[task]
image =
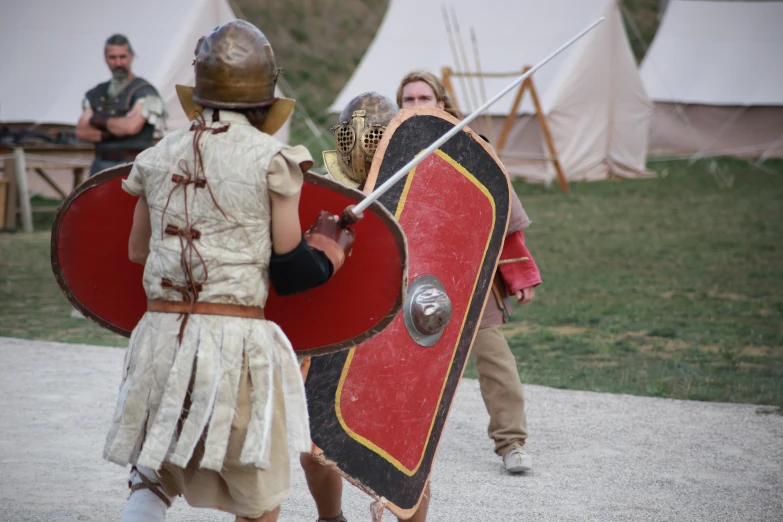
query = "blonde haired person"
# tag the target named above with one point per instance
(422, 88)
(496, 366)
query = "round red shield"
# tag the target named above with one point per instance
(89, 254)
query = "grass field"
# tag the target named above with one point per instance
(669, 286)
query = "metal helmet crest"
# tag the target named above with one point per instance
(235, 68)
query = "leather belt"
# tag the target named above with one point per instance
(116, 154)
(184, 307)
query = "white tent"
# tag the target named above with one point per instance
(53, 51)
(714, 72)
(592, 95)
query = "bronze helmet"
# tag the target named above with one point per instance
(358, 131)
(235, 68)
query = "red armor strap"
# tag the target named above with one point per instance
(521, 274)
(328, 236)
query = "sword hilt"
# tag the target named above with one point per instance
(350, 217)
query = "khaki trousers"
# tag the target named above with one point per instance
(501, 389)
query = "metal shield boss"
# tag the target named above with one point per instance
(89, 253)
(378, 411)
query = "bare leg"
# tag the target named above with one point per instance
(269, 516)
(325, 485)
(421, 513)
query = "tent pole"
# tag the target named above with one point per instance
(474, 102)
(456, 59)
(550, 143)
(487, 117)
(512, 114)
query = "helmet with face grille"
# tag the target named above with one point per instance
(357, 134)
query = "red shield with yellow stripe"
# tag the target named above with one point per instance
(378, 411)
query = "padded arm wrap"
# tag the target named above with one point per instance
(522, 274)
(328, 246)
(299, 270)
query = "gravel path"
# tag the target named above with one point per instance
(596, 456)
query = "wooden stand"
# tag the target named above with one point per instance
(528, 84)
(19, 160)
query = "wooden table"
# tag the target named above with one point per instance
(18, 159)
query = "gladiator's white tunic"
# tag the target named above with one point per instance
(241, 165)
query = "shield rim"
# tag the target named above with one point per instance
(404, 114)
(101, 177)
(379, 210)
(372, 179)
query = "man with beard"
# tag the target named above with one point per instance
(496, 366)
(120, 116)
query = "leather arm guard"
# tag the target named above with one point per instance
(518, 274)
(99, 122)
(318, 257)
(328, 236)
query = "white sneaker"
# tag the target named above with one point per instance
(517, 461)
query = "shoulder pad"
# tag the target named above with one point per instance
(144, 89)
(98, 90)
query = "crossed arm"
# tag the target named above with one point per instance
(128, 125)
